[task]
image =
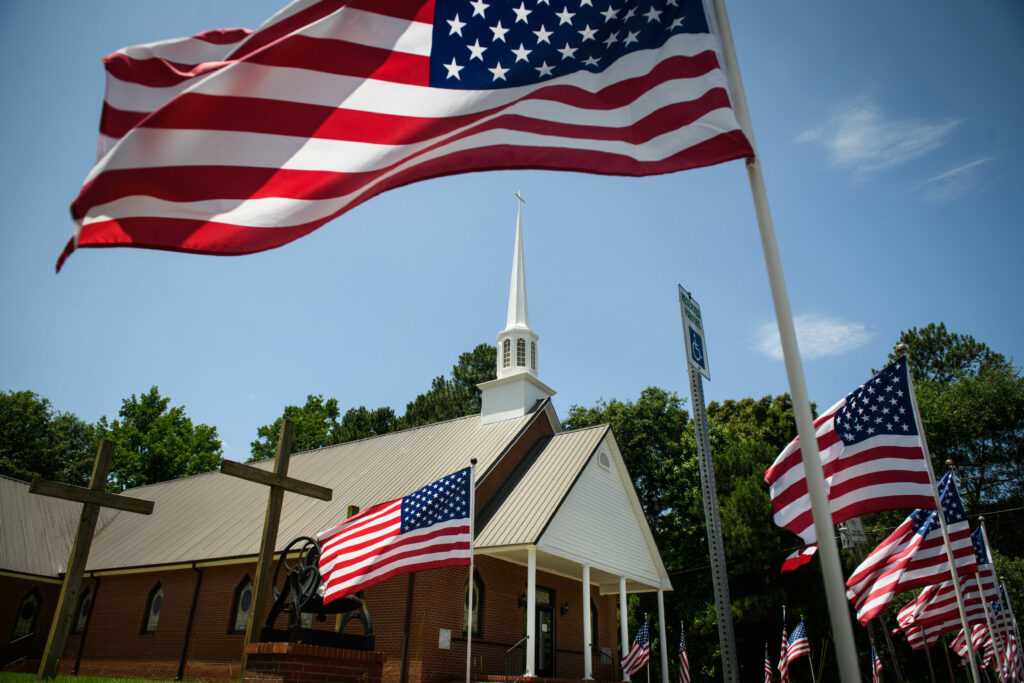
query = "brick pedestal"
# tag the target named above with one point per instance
(294, 663)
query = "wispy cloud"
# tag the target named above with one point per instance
(859, 137)
(818, 337)
(954, 183)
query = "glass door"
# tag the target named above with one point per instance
(544, 647)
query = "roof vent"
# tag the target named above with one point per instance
(603, 460)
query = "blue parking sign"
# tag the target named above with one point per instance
(693, 330)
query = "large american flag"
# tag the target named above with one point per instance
(913, 556)
(427, 529)
(233, 142)
(639, 654)
(871, 455)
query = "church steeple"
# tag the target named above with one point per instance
(517, 390)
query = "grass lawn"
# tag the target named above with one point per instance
(6, 677)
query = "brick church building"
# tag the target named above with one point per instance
(560, 542)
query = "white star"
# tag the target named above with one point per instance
(476, 51)
(499, 32)
(629, 15)
(586, 2)
(453, 69)
(542, 35)
(653, 15)
(522, 13)
(565, 16)
(568, 52)
(676, 23)
(478, 7)
(610, 14)
(544, 69)
(673, 3)
(590, 61)
(631, 38)
(587, 33)
(613, 38)
(543, 2)
(522, 53)
(456, 26)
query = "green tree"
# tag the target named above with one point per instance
(971, 401)
(455, 397)
(316, 426)
(156, 442)
(38, 441)
(360, 423)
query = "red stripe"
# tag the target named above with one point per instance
(155, 72)
(340, 576)
(390, 543)
(223, 36)
(344, 58)
(408, 569)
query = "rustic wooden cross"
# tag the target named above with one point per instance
(93, 498)
(279, 482)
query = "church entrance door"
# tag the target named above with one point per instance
(545, 653)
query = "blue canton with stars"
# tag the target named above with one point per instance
(926, 521)
(444, 500)
(880, 406)
(478, 45)
(980, 552)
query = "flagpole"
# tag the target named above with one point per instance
(469, 586)
(981, 591)
(901, 350)
(809, 653)
(1008, 608)
(835, 586)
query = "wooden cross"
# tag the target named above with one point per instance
(93, 498)
(279, 482)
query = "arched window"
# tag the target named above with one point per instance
(478, 595)
(28, 612)
(506, 353)
(153, 605)
(521, 353)
(82, 615)
(533, 356)
(243, 605)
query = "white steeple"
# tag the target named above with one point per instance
(517, 389)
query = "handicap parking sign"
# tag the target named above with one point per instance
(693, 330)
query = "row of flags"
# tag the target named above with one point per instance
(639, 654)
(874, 458)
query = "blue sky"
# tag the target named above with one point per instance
(890, 138)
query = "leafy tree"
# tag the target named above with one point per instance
(37, 441)
(456, 397)
(316, 426)
(971, 401)
(360, 423)
(156, 442)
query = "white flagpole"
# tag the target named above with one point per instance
(809, 653)
(832, 571)
(469, 586)
(901, 350)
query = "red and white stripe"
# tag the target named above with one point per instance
(937, 603)
(369, 548)
(247, 145)
(906, 560)
(886, 472)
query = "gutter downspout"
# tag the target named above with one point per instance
(88, 620)
(404, 678)
(191, 618)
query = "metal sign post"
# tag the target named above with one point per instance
(697, 362)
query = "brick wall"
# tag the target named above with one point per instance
(288, 663)
(12, 591)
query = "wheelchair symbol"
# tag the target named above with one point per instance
(696, 348)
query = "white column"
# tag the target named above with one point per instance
(587, 659)
(624, 635)
(661, 634)
(531, 611)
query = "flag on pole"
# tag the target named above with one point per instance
(913, 556)
(876, 665)
(871, 455)
(799, 646)
(798, 558)
(684, 662)
(768, 672)
(783, 652)
(427, 529)
(639, 653)
(233, 142)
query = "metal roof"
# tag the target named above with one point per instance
(35, 531)
(215, 516)
(524, 514)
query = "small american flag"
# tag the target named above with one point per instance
(799, 645)
(783, 653)
(426, 529)
(871, 455)
(913, 556)
(768, 672)
(684, 663)
(876, 665)
(232, 142)
(639, 653)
